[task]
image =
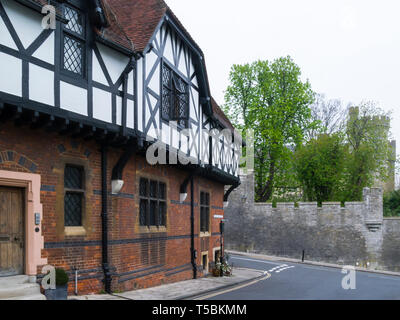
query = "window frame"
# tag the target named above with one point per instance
(203, 206)
(81, 38)
(81, 192)
(175, 74)
(151, 199)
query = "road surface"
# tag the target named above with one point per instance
(293, 281)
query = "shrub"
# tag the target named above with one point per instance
(61, 277)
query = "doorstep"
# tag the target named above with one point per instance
(184, 290)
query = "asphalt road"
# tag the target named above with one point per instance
(291, 281)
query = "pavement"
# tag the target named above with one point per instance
(185, 290)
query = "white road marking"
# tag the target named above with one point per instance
(276, 268)
(280, 270)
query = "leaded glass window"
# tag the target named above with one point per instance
(74, 41)
(152, 205)
(75, 20)
(74, 196)
(204, 212)
(175, 97)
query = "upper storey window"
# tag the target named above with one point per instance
(74, 41)
(175, 97)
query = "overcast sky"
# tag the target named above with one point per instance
(348, 49)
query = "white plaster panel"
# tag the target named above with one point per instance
(175, 138)
(153, 131)
(46, 51)
(168, 53)
(151, 59)
(119, 111)
(11, 74)
(193, 149)
(130, 114)
(194, 101)
(98, 74)
(184, 144)
(131, 83)
(27, 23)
(154, 83)
(102, 105)
(182, 62)
(165, 134)
(140, 94)
(115, 62)
(195, 82)
(73, 98)
(41, 85)
(5, 36)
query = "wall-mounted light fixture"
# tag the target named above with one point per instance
(182, 197)
(116, 186)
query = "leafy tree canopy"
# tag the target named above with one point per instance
(272, 99)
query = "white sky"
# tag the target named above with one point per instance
(348, 49)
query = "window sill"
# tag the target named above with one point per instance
(74, 231)
(204, 234)
(152, 229)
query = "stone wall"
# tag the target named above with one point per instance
(356, 234)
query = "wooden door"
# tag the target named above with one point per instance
(11, 231)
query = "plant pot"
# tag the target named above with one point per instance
(216, 272)
(60, 293)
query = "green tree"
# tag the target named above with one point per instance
(270, 98)
(369, 151)
(391, 204)
(319, 166)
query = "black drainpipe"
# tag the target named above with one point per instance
(192, 249)
(104, 219)
(183, 188)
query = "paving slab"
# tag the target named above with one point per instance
(182, 290)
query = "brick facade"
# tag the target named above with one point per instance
(139, 257)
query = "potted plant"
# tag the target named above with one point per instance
(61, 291)
(216, 270)
(226, 269)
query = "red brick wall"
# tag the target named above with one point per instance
(167, 251)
